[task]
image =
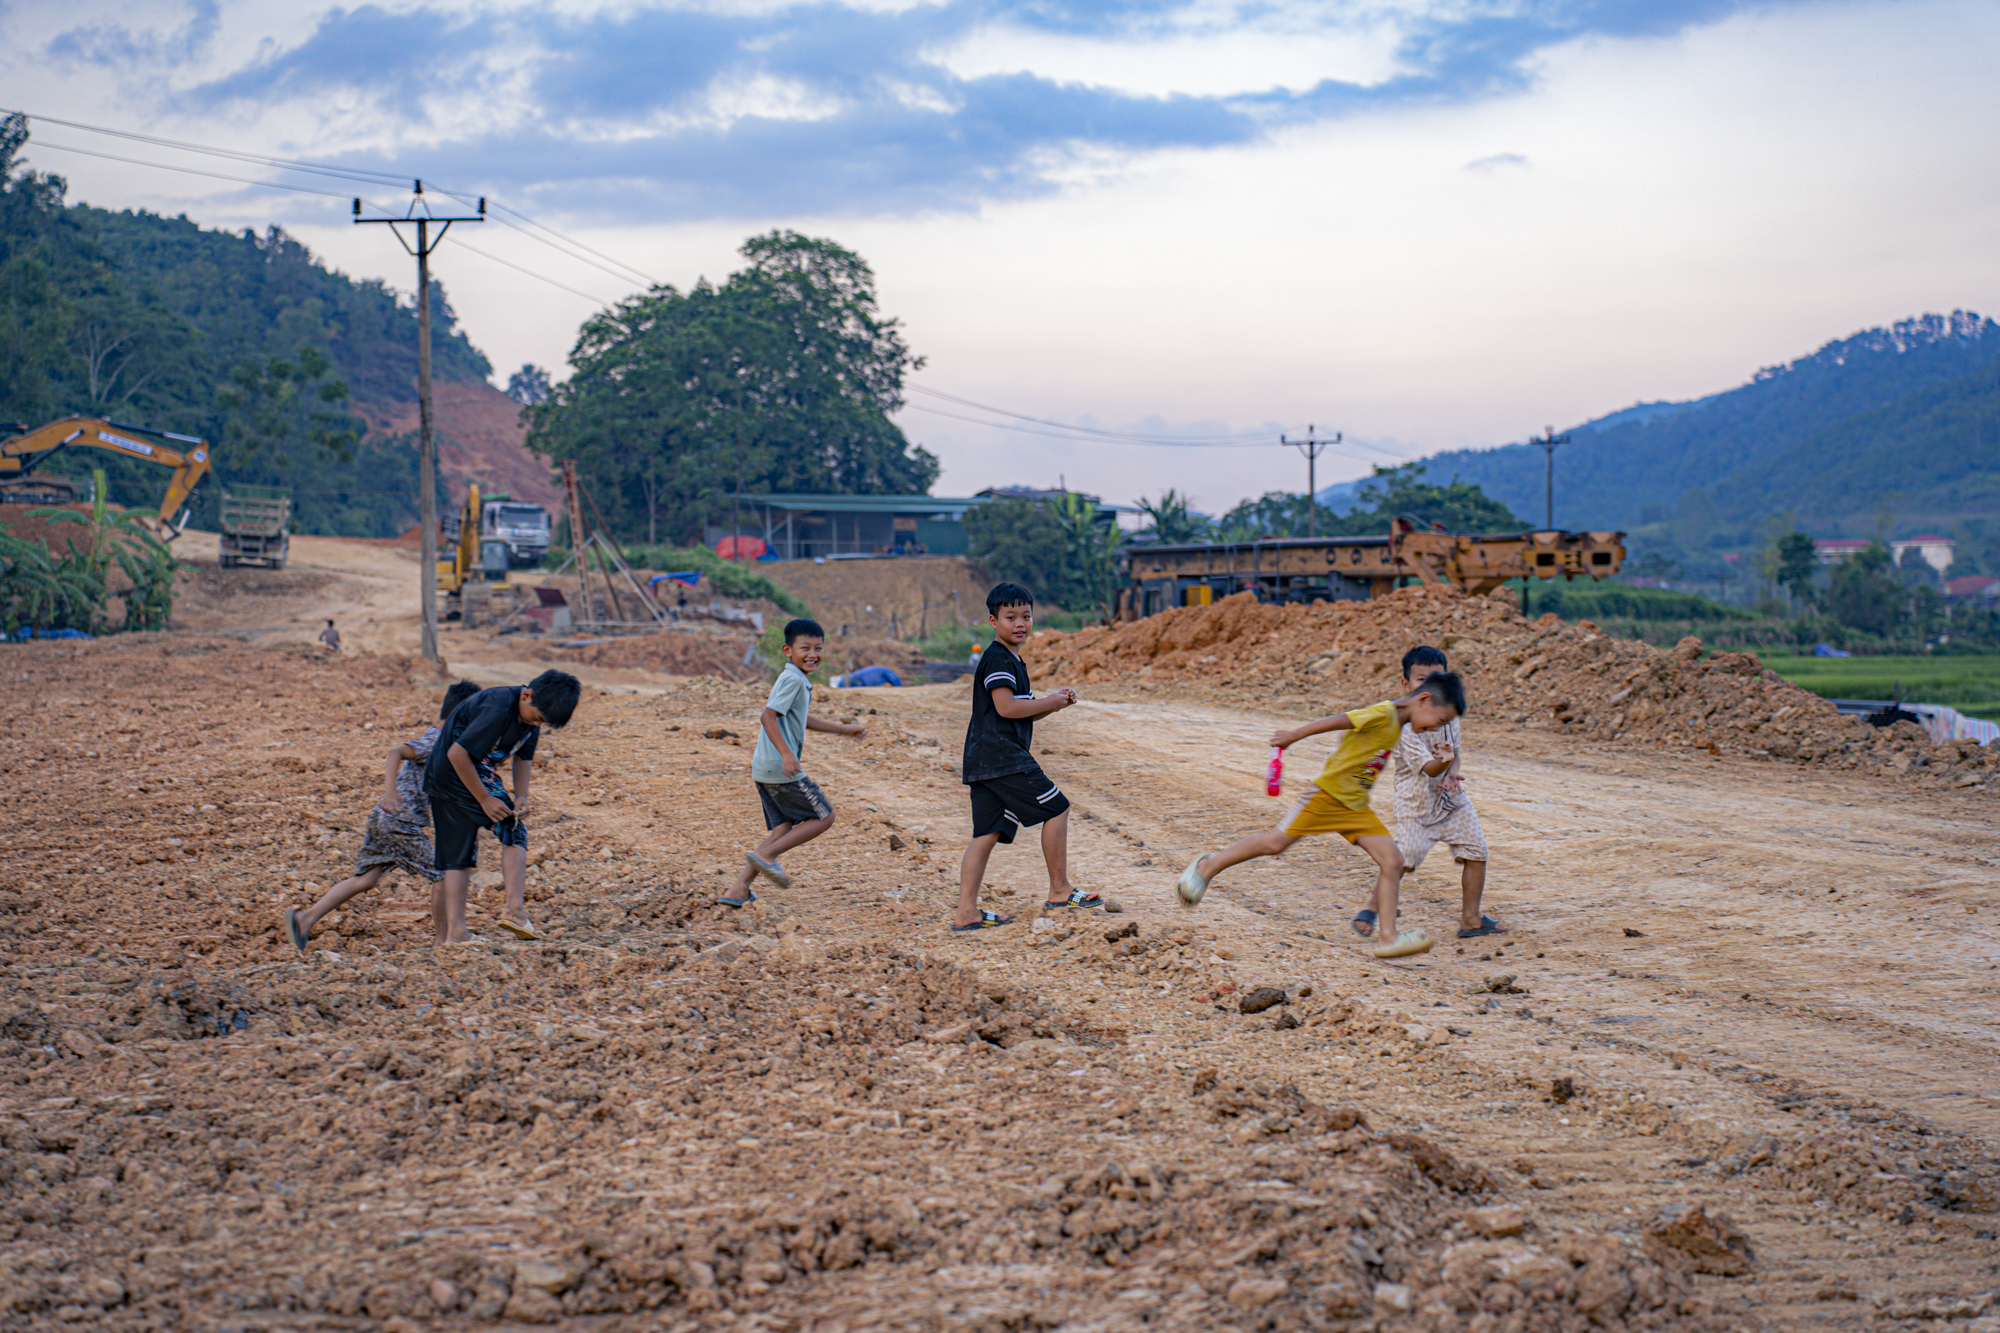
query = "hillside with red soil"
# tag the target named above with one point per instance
(480, 438)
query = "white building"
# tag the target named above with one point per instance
(1935, 550)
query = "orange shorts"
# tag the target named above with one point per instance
(1320, 813)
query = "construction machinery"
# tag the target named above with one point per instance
(22, 457)
(256, 526)
(521, 527)
(1294, 569)
(472, 563)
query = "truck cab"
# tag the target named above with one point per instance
(523, 528)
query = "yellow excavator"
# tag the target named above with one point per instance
(470, 571)
(23, 454)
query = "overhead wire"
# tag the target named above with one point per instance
(622, 271)
(263, 159)
(569, 247)
(1073, 439)
(1081, 433)
(496, 206)
(195, 171)
(597, 300)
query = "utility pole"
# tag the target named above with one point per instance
(426, 437)
(1547, 444)
(1312, 447)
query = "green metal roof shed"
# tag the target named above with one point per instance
(807, 526)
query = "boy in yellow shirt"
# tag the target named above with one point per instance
(1339, 801)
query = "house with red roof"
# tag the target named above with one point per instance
(1976, 588)
(1833, 550)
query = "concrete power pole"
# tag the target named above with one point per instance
(1312, 446)
(426, 435)
(1547, 444)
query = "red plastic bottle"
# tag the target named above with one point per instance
(1274, 778)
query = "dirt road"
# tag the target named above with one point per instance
(1763, 990)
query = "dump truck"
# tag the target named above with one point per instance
(1306, 569)
(256, 523)
(521, 527)
(22, 454)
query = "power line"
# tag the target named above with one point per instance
(302, 189)
(194, 171)
(1124, 437)
(348, 173)
(461, 245)
(363, 175)
(1073, 439)
(1085, 430)
(626, 276)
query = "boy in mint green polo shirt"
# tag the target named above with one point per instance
(795, 810)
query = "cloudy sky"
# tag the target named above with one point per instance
(1424, 223)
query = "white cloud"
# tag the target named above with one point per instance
(1197, 61)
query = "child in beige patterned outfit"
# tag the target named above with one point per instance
(1431, 806)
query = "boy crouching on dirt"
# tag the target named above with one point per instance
(795, 810)
(395, 838)
(1339, 804)
(499, 723)
(1431, 804)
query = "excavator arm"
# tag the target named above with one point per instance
(22, 454)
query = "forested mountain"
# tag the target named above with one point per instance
(157, 321)
(1899, 423)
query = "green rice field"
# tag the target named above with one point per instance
(1969, 684)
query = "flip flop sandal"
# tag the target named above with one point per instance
(1089, 902)
(1191, 885)
(1408, 944)
(293, 932)
(1364, 922)
(521, 930)
(749, 896)
(770, 870)
(987, 921)
(1487, 926)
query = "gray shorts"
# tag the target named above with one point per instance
(395, 848)
(799, 801)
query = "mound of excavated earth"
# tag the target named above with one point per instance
(1566, 679)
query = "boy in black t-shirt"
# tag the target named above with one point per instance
(508, 720)
(1009, 789)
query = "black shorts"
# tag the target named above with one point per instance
(457, 823)
(1016, 801)
(799, 801)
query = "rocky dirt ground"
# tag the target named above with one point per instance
(1734, 1067)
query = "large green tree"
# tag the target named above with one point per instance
(1059, 549)
(1862, 592)
(1388, 495)
(782, 378)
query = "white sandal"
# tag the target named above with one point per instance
(1407, 944)
(1190, 887)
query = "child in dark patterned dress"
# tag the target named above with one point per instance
(395, 838)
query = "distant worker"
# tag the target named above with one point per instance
(330, 636)
(795, 810)
(394, 838)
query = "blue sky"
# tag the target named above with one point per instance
(1427, 223)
